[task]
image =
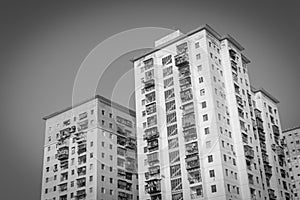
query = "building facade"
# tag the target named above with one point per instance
(196, 129)
(292, 149)
(90, 153)
(273, 158)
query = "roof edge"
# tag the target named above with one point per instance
(203, 27)
(101, 99)
(267, 94)
(291, 129)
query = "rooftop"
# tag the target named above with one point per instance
(204, 27)
(102, 100)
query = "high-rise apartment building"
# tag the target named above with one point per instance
(269, 132)
(90, 153)
(196, 126)
(292, 149)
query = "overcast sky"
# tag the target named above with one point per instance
(43, 44)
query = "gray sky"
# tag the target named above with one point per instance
(44, 43)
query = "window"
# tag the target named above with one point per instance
(210, 158)
(91, 178)
(198, 56)
(208, 144)
(212, 173)
(202, 92)
(203, 104)
(199, 67)
(201, 79)
(213, 188)
(197, 45)
(206, 130)
(205, 117)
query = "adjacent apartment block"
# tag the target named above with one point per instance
(273, 157)
(90, 153)
(196, 126)
(292, 149)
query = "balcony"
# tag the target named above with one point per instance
(261, 136)
(280, 151)
(235, 77)
(275, 130)
(268, 170)
(184, 72)
(263, 147)
(80, 195)
(153, 186)
(62, 144)
(181, 59)
(260, 126)
(197, 192)
(272, 195)
(283, 173)
(232, 54)
(257, 114)
(63, 153)
(245, 138)
(81, 182)
(191, 148)
(152, 145)
(81, 171)
(151, 133)
(81, 148)
(80, 136)
(194, 176)
(239, 101)
(65, 133)
(149, 84)
(192, 162)
(249, 152)
(63, 187)
(121, 140)
(265, 158)
(130, 143)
